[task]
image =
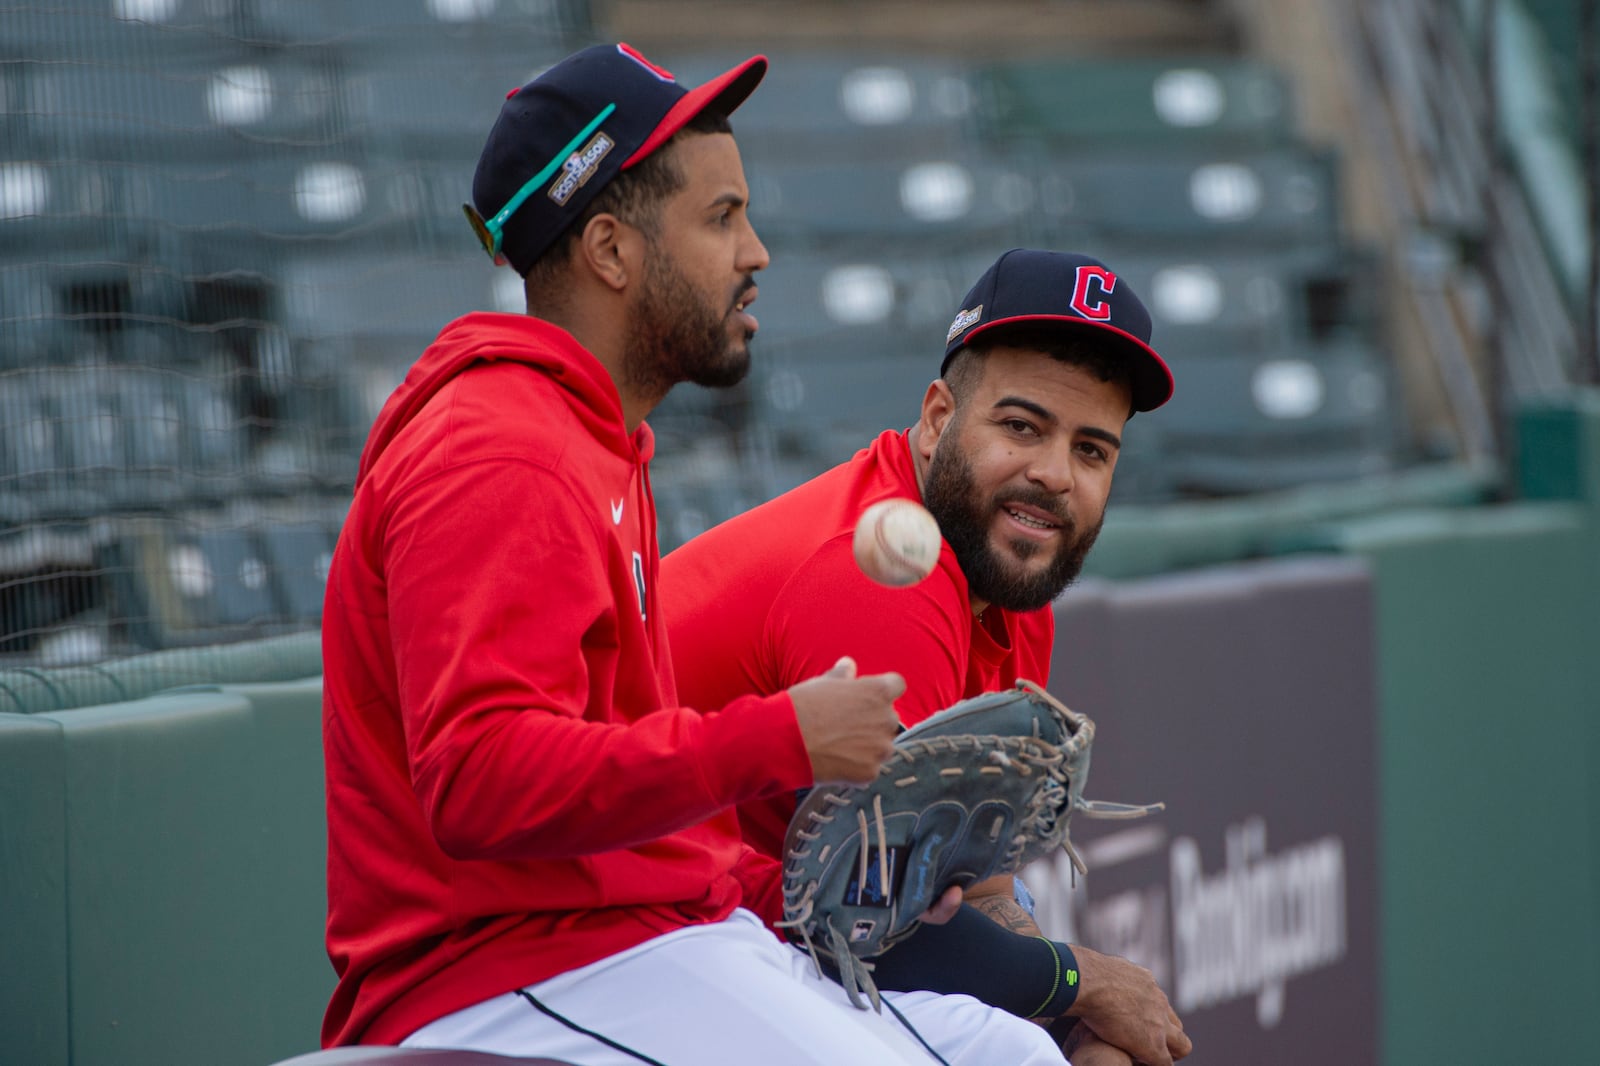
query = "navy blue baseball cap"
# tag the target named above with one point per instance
(1072, 291)
(561, 137)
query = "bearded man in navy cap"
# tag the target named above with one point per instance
(531, 842)
(1046, 360)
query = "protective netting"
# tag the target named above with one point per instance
(226, 228)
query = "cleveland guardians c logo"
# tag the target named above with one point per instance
(1089, 291)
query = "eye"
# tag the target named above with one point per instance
(1019, 426)
(1094, 450)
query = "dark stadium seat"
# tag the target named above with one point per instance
(40, 443)
(396, 24)
(297, 555)
(52, 204)
(1254, 424)
(825, 402)
(13, 106)
(230, 213)
(836, 328)
(213, 440)
(1150, 102)
(309, 194)
(75, 304)
(697, 487)
(90, 438)
(91, 429)
(356, 320)
(30, 461)
(242, 593)
(153, 421)
(1143, 475)
(192, 97)
(1205, 301)
(175, 582)
(826, 296)
(360, 294)
(822, 103)
(939, 197)
(442, 103)
(1210, 298)
(175, 579)
(1257, 197)
(24, 327)
(848, 344)
(108, 29)
(16, 509)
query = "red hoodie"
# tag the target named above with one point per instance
(513, 791)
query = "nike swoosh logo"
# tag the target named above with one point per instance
(616, 512)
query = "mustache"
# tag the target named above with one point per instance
(1038, 498)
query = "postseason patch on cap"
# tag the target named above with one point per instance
(560, 138)
(579, 167)
(962, 321)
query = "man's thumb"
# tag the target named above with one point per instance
(845, 668)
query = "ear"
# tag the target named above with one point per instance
(607, 249)
(938, 408)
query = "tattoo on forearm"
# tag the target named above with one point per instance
(1008, 913)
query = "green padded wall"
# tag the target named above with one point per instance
(283, 658)
(30, 689)
(168, 888)
(1489, 630)
(271, 659)
(293, 978)
(33, 918)
(163, 893)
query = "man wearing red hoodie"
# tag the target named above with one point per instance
(532, 848)
(1047, 358)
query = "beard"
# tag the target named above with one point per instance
(676, 335)
(950, 493)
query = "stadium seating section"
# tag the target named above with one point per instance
(227, 228)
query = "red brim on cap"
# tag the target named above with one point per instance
(1151, 388)
(724, 93)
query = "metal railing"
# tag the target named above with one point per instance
(1497, 320)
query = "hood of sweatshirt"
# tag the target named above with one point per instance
(485, 337)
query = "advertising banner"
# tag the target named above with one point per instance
(1244, 699)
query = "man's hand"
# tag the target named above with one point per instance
(1083, 1048)
(1125, 1007)
(848, 722)
(944, 908)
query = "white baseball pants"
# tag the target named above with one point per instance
(731, 994)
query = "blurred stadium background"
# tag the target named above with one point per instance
(227, 227)
(1363, 541)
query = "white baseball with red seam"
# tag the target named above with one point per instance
(897, 542)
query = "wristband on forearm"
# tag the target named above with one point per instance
(1029, 976)
(1064, 988)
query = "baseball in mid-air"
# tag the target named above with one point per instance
(897, 542)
